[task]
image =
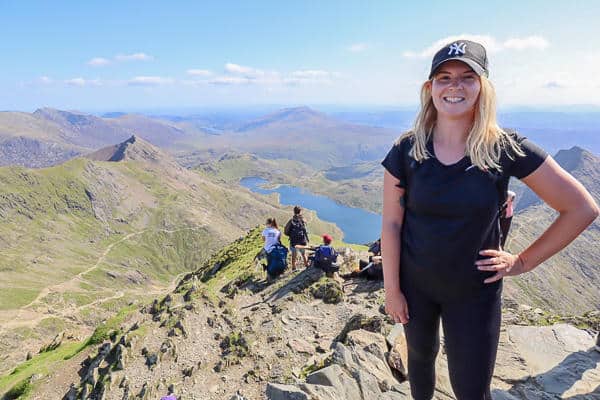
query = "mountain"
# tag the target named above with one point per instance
(161, 133)
(34, 153)
(27, 140)
(580, 163)
(569, 281)
(48, 136)
(81, 129)
(80, 240)
(305, 135)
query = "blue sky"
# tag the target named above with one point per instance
(135, 55)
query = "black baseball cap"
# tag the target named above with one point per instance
(471, 53)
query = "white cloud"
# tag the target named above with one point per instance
(238, 69)
(149, 81)
(491, 44)
(230, 80)
(243, 75)
(248, 72)
(357, 47)
(530, 42)
(75, 82)
(133, 57)
(98, 62)
(198, 72)
(310, 74)
(45, 80)
(83, 82)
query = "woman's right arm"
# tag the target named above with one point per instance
(392, 218)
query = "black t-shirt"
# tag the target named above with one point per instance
(451, 213)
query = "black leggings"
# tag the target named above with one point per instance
(471, 332)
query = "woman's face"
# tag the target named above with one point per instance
(455, 89)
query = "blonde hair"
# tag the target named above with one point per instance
(485, 140)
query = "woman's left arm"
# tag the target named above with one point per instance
(576, 207)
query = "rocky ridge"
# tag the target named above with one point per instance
(225, 333)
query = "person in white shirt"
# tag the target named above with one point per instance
(271, 235)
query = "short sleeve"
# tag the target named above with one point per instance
(394, 161)
(534, 156)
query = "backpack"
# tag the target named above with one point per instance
(324, 258)
(295, 230)
(375, 247)
(277, 260)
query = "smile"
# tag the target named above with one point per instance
(453, 99)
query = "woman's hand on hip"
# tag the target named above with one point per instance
(396, 306)
(501, 262)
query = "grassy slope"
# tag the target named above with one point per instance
(237, 260)
(50, 234)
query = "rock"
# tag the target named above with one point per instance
(152, 360)
(364, 339)
(71, 394)
(558, 358)
(188, 296)
(145, 392)
(398, 355)
(29, 356)
(360, 321)
(285, 392)
(187, 372)
(335, 376)
(54, 343)
(119, 357)
(301, 346)
(397, 330)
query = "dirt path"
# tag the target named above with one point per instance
(27, 317)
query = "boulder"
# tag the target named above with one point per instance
(277, 391)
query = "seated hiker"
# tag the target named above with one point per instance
(276, 261)
(371, 269)
(324, 257)
(273, 250)
(506, 216)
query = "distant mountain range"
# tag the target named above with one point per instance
(50, 136)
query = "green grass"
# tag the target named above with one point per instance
(43, 363)
(11, 298)
(104, 330)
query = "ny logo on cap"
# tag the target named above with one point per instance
(457, 48)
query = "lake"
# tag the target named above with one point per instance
(359, 225)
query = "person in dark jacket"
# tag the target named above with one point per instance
(295, 229)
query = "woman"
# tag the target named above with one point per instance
(270, 235)
(443, 191)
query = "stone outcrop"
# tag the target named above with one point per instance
(549, 363)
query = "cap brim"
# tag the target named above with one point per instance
(472, 64)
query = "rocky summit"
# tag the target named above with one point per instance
(225, 332)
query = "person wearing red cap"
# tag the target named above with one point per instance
(445, 181)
